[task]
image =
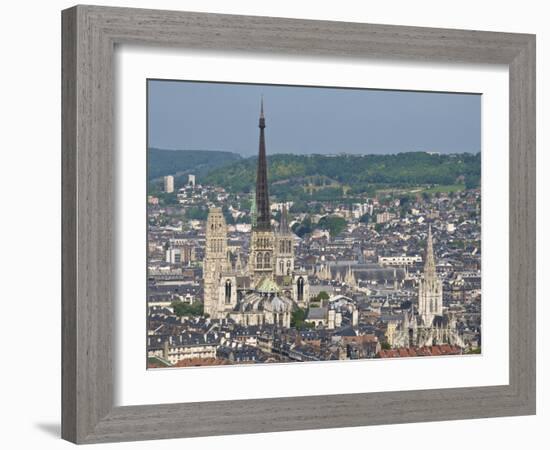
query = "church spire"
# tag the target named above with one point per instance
(429, 263)
(350, 277)
(263, 220)
(262, 111)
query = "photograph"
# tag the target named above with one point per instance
(306, 224)
(249, 225)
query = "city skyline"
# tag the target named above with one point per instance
(311, 120)
(325, 259)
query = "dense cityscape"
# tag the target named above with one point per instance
(247, 277)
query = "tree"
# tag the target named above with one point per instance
(385, 346)
(471, 181)
(335, 224)
(298, 319)
(323, 295)
(298, 206)
(166, 198)
(403, 201)
(303, 228)
(186, 309)
(246, 204)
(196, 213)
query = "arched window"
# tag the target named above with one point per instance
(300, 286)
(228, 291)
(267, 260)
(282, 266)
(259, 261)
(288, 267)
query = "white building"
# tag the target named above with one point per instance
(402, 260)
(168, 184)
(173, 256)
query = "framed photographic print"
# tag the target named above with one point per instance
(278, 224)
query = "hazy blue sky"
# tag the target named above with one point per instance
(220, 116)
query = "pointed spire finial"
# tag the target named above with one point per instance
(262, 116)
(262, 106)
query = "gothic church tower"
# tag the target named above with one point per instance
(215, 261)
(284, 260)
(430, 289)
(263, 239)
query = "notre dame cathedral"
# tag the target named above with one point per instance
(269, 287)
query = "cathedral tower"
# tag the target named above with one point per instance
(263, 239)
(215, 261)
(430, 289)
(284, 260)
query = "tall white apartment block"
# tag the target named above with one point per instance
(168, 184)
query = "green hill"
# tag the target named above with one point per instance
(182, 162)
(331, 177)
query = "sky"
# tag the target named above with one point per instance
(185, 115)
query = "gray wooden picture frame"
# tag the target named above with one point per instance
(90, 34)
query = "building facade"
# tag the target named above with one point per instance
(399, 261)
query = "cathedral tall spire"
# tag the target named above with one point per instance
(429, 263)
(263, 220)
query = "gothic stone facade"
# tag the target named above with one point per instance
(269, 287)
(429, 326)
